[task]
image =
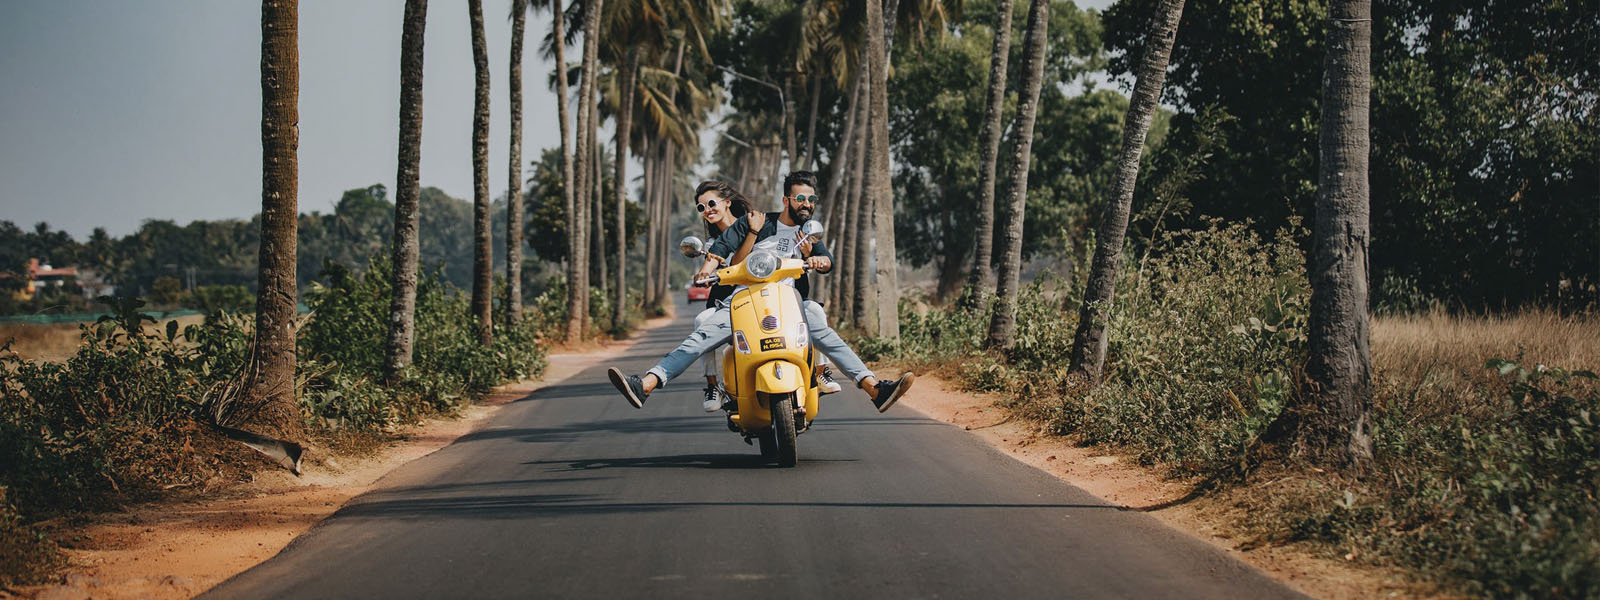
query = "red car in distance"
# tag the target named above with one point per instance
(698, 293)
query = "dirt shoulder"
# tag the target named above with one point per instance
(178, 549)
(1125, 483)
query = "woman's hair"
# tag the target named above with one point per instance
(738, 205)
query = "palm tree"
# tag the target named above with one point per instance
(994, 105)
(576, 300)
(1339, 374)
(519, 21)
(1003, 325)
(630, 65)
(402, 307)
(483, 251)
(1089, 343)
(588, 168)
(878, 193)
(271, 390)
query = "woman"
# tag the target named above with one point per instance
(719, 204)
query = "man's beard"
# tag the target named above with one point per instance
(794, 215)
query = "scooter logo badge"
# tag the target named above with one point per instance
(772, 343)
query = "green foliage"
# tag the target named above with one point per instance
(213, 299)
(1500, 502)
(128, 415)
(1484, 132)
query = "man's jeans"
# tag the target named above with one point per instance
(716, 329)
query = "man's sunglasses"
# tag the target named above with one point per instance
(803, 198)
(698, 207)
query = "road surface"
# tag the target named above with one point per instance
(571, 492)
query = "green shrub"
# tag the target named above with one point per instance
(211, 299)
(29, 557)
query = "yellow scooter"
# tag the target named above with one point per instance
(767, 367)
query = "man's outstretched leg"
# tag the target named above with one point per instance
(708, 334)
(883, 393)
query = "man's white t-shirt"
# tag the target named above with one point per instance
(785, 243)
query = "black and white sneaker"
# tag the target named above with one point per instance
(631, 387)
(890, 391)
(826, 384)
(713, 401)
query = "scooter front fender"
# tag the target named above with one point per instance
(778, 377)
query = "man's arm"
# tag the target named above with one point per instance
(817, 256)
(731, 239)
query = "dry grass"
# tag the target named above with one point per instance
(1434, 362)
(58, 342)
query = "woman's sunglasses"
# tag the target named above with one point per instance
(698, 207)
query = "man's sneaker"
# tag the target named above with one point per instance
(713, 402)
(631, 387)
(890, 391)
(828, 385)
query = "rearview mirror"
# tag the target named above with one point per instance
(812, 230)
(692, 247)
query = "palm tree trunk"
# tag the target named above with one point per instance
(840, 163)
(574, 328)
(1003, 325)
(978, 278)
(879, 194)
(519, 21)
(597, 188)
(652, 244)
(810, 158)
(619, 308)
(402, 306)
(483, 238)
(482, 247)
(1339, 374)
(1089, 342)
(272, 382)
(591, 171)
(861, 308)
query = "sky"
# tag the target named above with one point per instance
(113, 112)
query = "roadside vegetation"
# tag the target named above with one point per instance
(132, 415)
(1487, 446)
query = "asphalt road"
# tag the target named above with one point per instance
(571, 492)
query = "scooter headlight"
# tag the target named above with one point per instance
(762, 264)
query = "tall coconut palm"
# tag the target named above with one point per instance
(519, 22)
(1089, 342)
(586, 151)
(1339, 374)
(994, 104)
(575, 298)
(483, 251)
(630, 65)
(402, 306)
(879, 194)
(1003, 324)
(271, 390)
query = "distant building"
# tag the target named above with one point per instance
(43, 276)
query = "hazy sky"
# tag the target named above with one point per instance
(112, 112)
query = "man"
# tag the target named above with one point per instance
(778, 233)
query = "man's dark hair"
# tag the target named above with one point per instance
(795, 178)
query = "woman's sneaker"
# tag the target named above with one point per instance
(827, 385)
(713, 401)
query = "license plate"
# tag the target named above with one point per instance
(772, 343)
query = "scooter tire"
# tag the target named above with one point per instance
(783, 429)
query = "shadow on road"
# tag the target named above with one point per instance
(679, 461)
(557, 505)
(695, 424)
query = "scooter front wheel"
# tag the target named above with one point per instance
(783, 429)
